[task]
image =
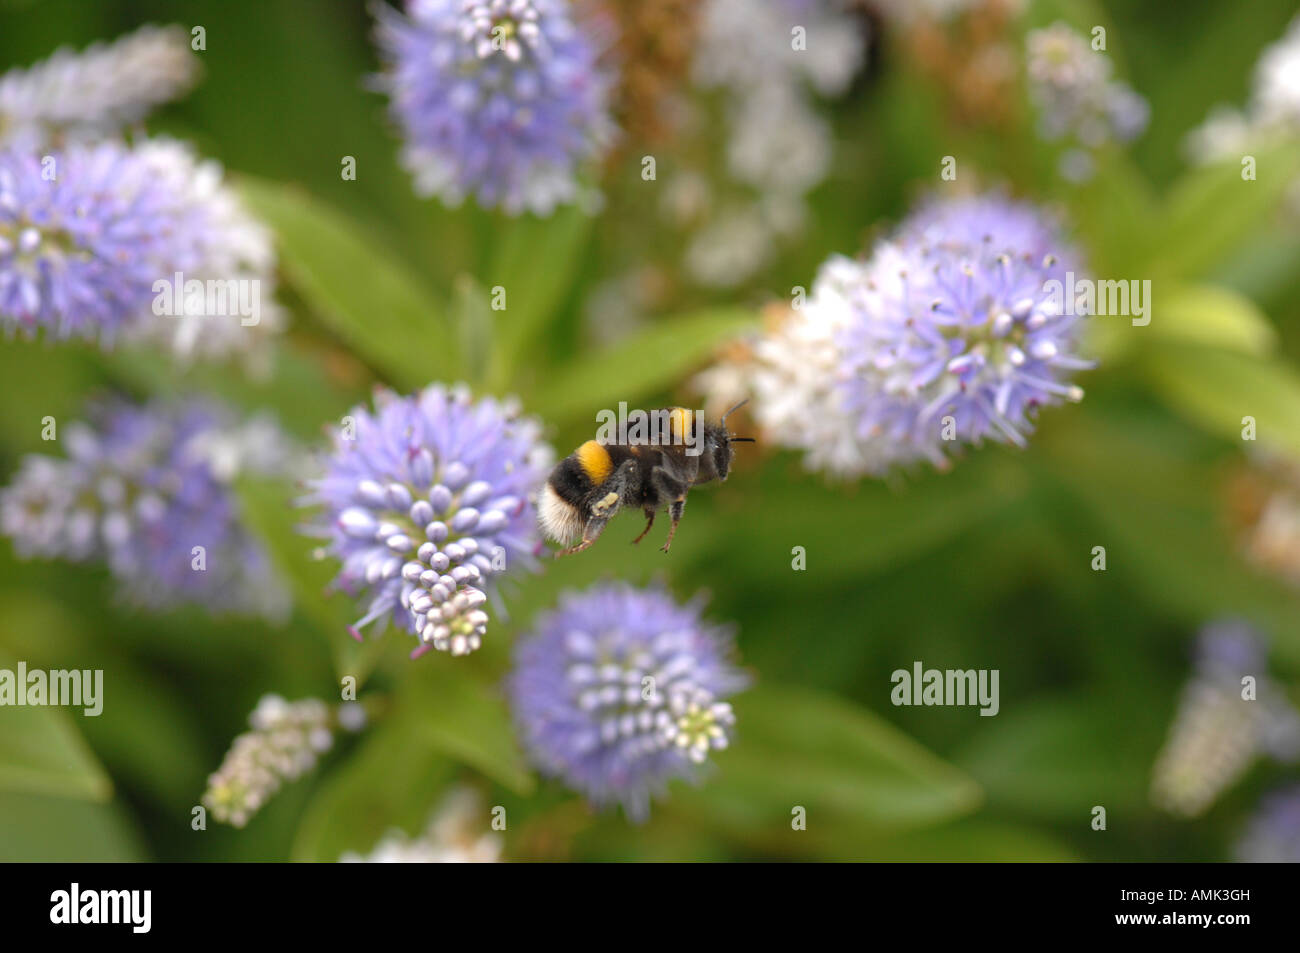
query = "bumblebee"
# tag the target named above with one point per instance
(588, 487)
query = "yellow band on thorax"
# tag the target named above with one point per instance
(595, 462)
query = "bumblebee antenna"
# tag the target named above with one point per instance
(733, 410)
(741, 440)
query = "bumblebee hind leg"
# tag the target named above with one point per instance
(649, 521)
(590, 534)
(607, 498)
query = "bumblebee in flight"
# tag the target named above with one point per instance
(588, 487)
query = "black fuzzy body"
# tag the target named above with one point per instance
(642, 476)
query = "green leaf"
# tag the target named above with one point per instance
(1207, 315)
(42, 380)
(536, 263)
(38, 828)
(638, 366)
(147, 721)
(1214, 317)
(970, 841)
(1264, 269)
(301, 393)
(1211, 211)
(858, 777)
(1114, 213)
(1157, 505)
(472, 317)
(1217, 388)
(267, 508)
(463, 715)
(42, 752)
(1080, 14)
(392, 781)
(357, 287)
(666, 837)
(888, 525)
(1058, 759)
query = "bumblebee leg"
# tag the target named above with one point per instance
(589, 535)
(609, 498)
(649, 521)
(605, 506)
(669, 487)
(615, 488)
(675, 512)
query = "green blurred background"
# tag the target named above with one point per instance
(986, 567)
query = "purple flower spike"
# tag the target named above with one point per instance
(620, 690)
(1231, 713)
(955, 336)
(146, 490)
(950, 334)
(84, 235)
(1078, 101)
(90, 95)
(498, 99)
(426, 499)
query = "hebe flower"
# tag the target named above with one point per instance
(796, 377)
(619, 690)
(285, 741)
(1276, 89)
(746, 44)
(84, 234)
(93, 94)
(233, 247)
(499, 99)
(140, 489)
(428, 499)
(1077, 100)
(948, 335)
(954, 320)
(86, 231)
(778, 146)
(1218, 733)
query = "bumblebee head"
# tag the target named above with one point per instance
(715, 461)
